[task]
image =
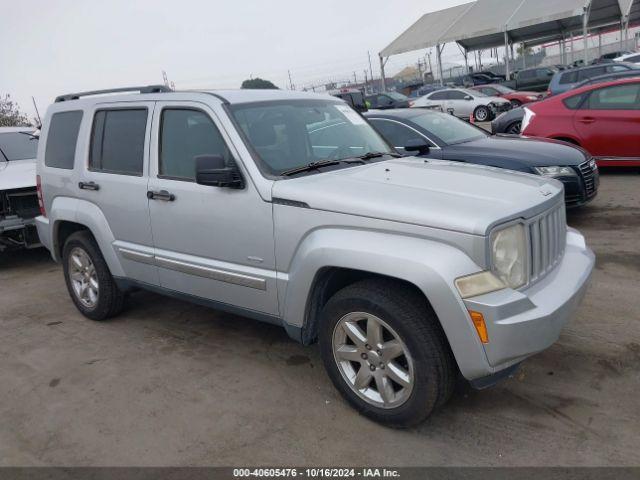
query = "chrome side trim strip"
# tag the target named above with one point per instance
(213, 273)
(137, 256)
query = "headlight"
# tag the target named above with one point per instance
(478, 284)
(509, 255)
(528, 116)
(531, 97)
(555, 171)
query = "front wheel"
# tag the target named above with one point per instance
(481, 114)
(386, 353)
(516, 103)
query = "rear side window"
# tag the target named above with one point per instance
(572, 103)
(62, 138)
(619, 97)
(184, 135)
(438, 96)
(591, 72)
(569, 77)
(457, 95)
(117, 141)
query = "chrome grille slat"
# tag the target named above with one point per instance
(547, 237)
(588, 175)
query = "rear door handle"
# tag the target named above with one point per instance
(586, 120)
(88, 186)
(161, 195)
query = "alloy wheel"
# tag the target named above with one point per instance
(83, 277)
(373, 360)
(515, 128)
(482, 114)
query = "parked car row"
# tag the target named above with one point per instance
(430, 134)
(511, 122)
(291, 208)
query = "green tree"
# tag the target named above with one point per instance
(10, 114)
(258, 83)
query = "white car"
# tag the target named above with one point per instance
(629, 57)
(463, 103)
(18, 197)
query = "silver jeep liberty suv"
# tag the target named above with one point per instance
(289, 208)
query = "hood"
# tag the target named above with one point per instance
(17, 174)
(493, 100)
(447, 195)
(510, 152)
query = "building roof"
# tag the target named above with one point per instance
(483, 23)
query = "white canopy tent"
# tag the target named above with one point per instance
(491, 23)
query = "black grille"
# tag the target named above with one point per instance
(22, 203)
(588, 177)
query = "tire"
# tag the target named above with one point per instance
(482, 114)
(107, 299)
(407, 317)
(516, 103)
(514, 128)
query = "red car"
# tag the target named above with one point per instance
(603, 118)
(514, 96)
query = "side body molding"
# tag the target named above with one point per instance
(431, 266)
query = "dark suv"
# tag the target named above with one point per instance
(386, 100)
(534, 79)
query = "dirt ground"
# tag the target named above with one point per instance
(170, 383)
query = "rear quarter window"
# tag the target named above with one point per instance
(569, 77)
(572, 103)
(62, 138)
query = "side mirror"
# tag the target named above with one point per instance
(468, 97)
(212, 170)
(417, 145)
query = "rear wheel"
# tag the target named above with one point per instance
(88, 278)
(385, 352)
(481, 114)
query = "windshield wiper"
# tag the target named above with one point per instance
(30, 135)
(326, 163)
(370, 155)
(311, 166)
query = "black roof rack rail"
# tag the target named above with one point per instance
(143, 89)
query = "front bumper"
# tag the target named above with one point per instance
(521, 323)
(16, 232)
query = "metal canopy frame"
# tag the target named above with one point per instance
(495, 23)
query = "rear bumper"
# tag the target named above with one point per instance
(522, 323)
(44, 232)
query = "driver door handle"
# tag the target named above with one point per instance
(586, 120)
(161, 195)
(88, 186)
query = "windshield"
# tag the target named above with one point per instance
(18, 146)
(397, 96)
(472, 93)
(294, 133)
(448, 128)
(503, 89)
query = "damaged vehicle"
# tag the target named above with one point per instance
(18, 197)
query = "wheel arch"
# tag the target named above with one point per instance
(69, 215)
(332, 259)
